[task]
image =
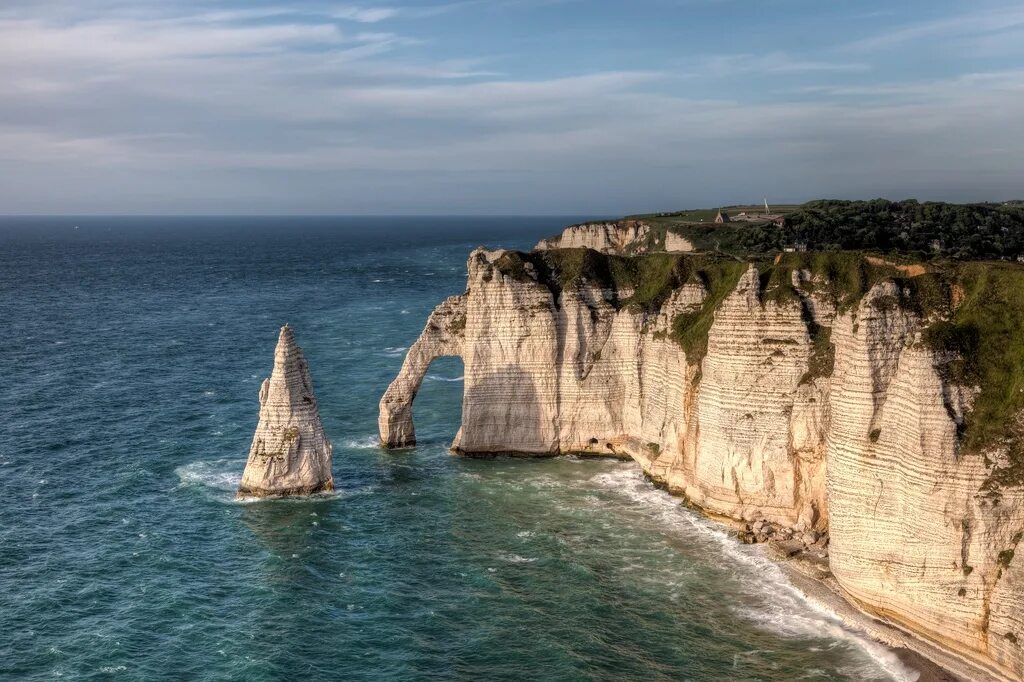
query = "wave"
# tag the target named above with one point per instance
(223, 474)
(434, 377)
(362, 443)
(394, 352)
(789, 611)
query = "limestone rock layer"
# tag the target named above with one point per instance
(618, 237)
(290, 455)
(607, 237)
(754, 429)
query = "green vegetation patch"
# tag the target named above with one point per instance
(651, 276)
(985, 337)
(963, 231)
(842, 277)
(823, 354)
(690, 329)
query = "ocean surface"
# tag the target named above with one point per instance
(132, 353)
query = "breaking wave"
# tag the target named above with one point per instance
(223, 474)
(362, 443)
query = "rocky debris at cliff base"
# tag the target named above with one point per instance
(808, 544)
(290, 455)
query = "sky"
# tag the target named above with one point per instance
(504, 106)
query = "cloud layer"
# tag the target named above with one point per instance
(324, 108)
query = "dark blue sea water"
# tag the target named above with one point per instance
(131, 357)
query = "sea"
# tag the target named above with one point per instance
(131, 357)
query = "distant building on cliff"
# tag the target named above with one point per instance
(722, 217)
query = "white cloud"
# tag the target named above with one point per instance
(117, 42)
(979, 24)
(367, 15)
(772, 63)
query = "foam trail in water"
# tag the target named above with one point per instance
(434, 377)
(789, 611)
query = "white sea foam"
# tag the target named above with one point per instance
(788, 611)
(362, 443)
(434, 377)
(111, 669)
(516, 559)
(223, 474)
(394, 352)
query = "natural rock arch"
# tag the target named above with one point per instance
(443, 336)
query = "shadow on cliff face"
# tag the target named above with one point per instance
(502, 413)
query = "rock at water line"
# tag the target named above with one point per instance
(290, 455)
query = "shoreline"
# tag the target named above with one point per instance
(818, 586)
(810, 576)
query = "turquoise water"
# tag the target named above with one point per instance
(133, 351)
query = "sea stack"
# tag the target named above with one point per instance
(290, 455)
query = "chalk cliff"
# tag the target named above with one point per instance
(617, 237)
(761, 394)
(290, 455)
(606, 237)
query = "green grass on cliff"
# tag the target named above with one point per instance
(843, 277)
(651, 277)
(985, 335)
(690, 330)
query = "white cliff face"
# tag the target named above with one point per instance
(290, 455)
(756, 455)
(607, 237)
(753, 430)
(675, 243)
(915, 537)
(619, 237)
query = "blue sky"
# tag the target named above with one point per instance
(504, 106)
